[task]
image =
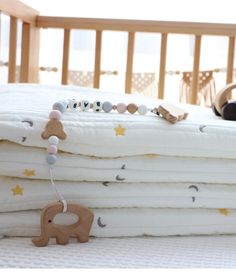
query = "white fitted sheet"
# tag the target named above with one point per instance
(143, 252)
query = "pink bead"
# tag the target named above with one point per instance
(121, 108)
(52, 149)
(55, 114)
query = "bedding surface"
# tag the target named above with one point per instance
(22, 194)
(131, 222)
(25, 108)
(28, 162)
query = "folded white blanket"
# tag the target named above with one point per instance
(132, 222)
(22, 194)
(28, 162)
(25, 108)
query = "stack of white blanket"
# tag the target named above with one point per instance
(148, 178)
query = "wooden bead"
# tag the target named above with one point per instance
(132, 108)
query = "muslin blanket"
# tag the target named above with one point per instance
(29, 162)
(131, 222)
(25, 108)
(23, 194)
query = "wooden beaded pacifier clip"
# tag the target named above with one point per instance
(54, 132)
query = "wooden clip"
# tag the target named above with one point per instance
(171, 113)
(49, 229)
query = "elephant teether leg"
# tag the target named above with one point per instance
(42, 240)
(62, 240)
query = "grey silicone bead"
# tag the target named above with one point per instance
(51, 159)
(107, 106)
(59, 106)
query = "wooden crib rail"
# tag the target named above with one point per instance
(133, 26)
(32, 22)
(19, 10)
(30, 40)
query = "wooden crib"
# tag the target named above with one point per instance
(32, 22)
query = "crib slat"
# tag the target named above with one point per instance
(97, 64)
(65, 60)
(230, 61)
(162, 70)
(12, 50)
(196, 65)
(129, 63)
(29, 53)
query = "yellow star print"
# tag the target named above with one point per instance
(17, 190)
(120, 131)
(224, 211)
(29, 173)
(151, 155)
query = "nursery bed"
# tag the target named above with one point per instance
(145, 252)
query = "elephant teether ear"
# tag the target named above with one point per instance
(49, 229)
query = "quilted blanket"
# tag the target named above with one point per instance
(25, 108)
(28, 162)
(18, 194)
(131, 222)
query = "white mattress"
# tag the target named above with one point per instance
(202, 134)
(145, 252)
(23, 194)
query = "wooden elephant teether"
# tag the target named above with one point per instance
(49, 229)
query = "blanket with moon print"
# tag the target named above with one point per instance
(139, 174)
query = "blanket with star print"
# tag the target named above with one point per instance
(28, 162)
(25, 108)
(17, 194)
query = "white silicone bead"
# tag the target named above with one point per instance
(73, 104)
(97, 106)
(142, 109)
(84, 105)
(53, 140)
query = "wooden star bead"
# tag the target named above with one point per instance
(132, 108)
